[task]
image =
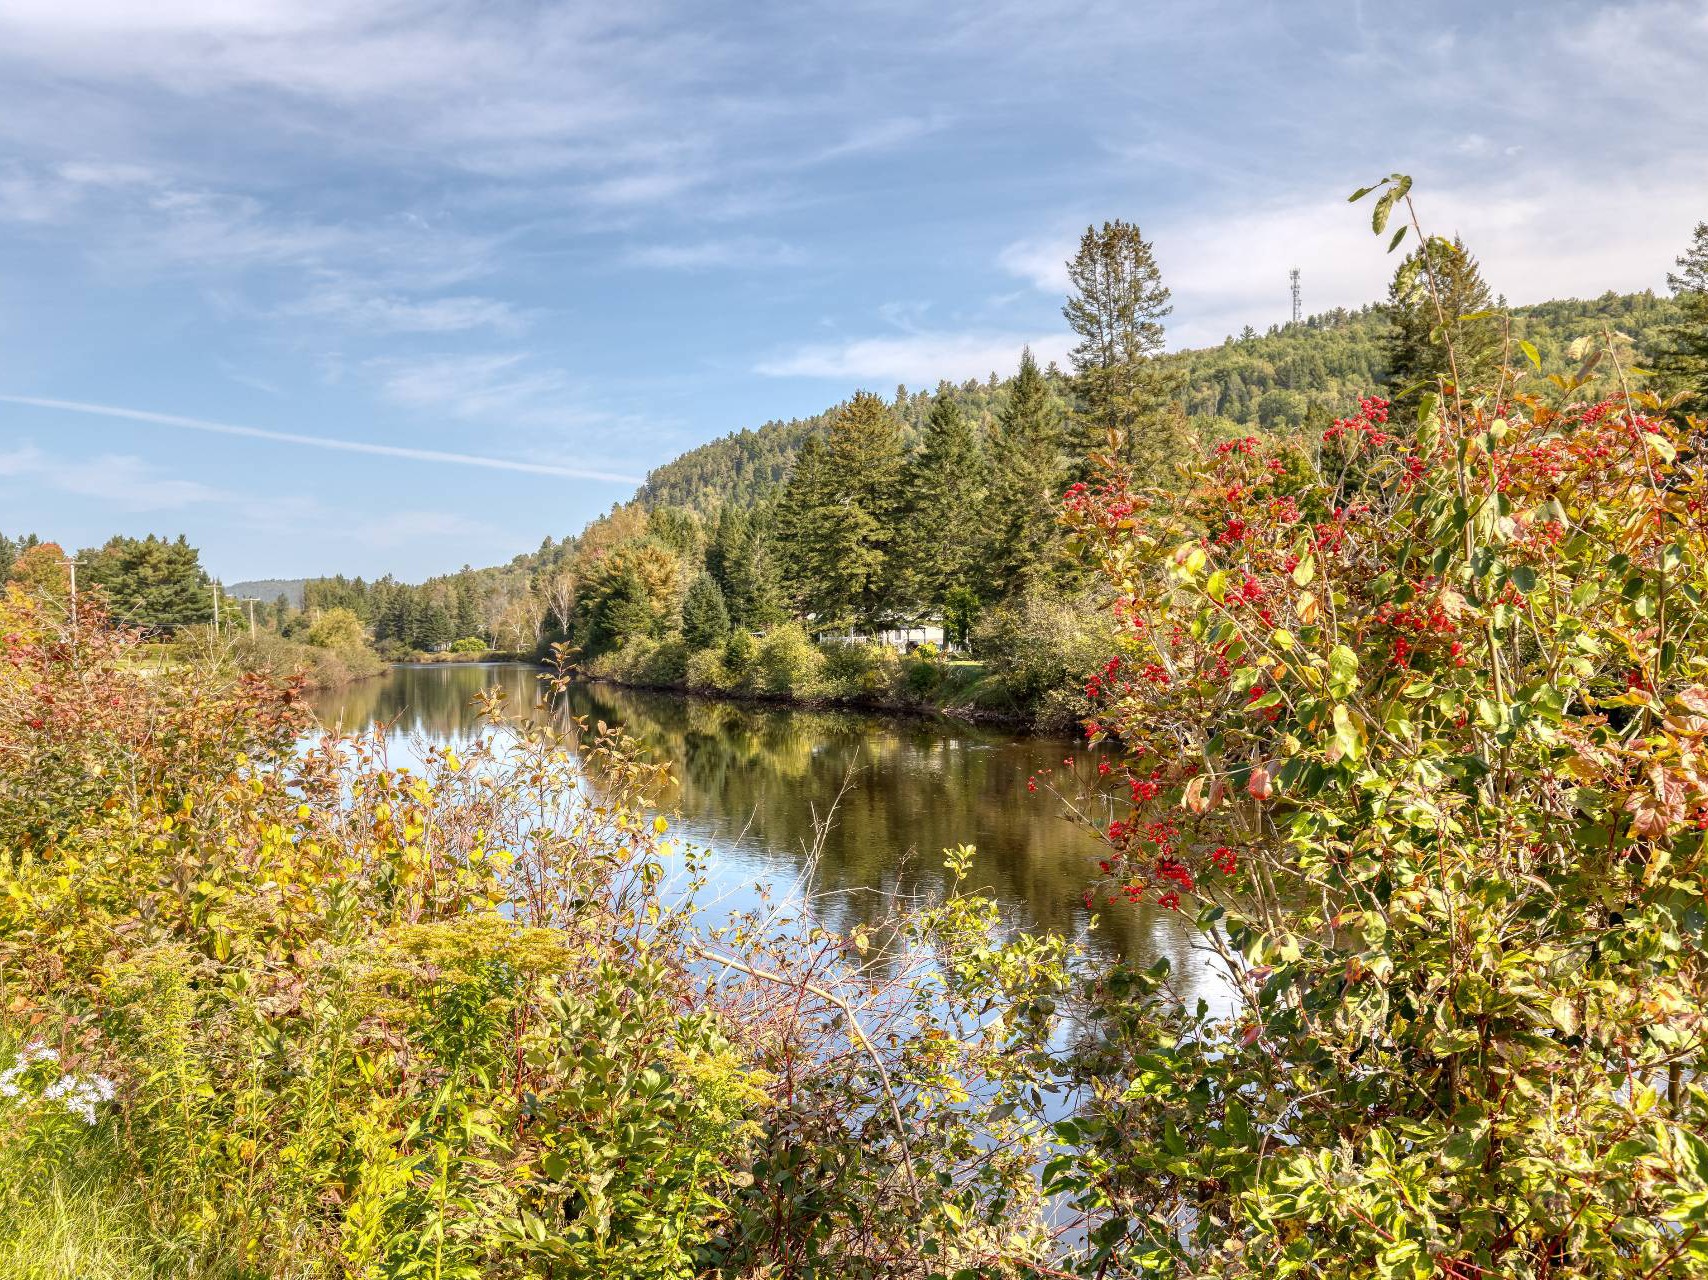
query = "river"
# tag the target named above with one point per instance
(750, 779)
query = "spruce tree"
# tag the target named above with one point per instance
(801, 540)
(839, 513)
(1439, 281)
(151, 582)
(705, 619)
(1121, 385)
(1680, 355)
(436, 626)
(942, 520)
(739, 557)
(467, 607)
(1028, 474)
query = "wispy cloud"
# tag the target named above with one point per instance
(351, 303)
(501, 387)
(120, 481)
(321, 442)
(740, 251)
(882, 135)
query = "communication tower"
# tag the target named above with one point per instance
(1293, 275)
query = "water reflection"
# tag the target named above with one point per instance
(751, 779)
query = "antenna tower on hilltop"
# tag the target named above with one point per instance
(1293, 275)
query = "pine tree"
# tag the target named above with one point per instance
(1439, 281)
(1028, 475)
(1681, 353)
(705, 619)
(943, 490)
(1120, 384)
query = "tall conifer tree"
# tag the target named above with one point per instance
(1120, 383)
(839, 516)
(943, 518)
(1028, 474)
(1417, 341)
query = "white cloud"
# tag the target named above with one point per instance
(1550, 234)
(1041, 261)
(118, 480)
(350, 303)
(469, 386)
(919, 359)
(741, 251)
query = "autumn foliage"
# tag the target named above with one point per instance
(1412, 717)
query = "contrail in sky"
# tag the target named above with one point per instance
(321, 442)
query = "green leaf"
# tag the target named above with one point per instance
(1305, 570)
(1342, 672)
(1398, 236)
(1348, 734)
(1384, 206)
(1530, 354)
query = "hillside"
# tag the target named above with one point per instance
(1294, 373)
(268, 590)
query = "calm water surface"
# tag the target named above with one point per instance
(751, 778)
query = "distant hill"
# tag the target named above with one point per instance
(1293, 374)
(268, 590)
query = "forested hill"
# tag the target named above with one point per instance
(268, 590)
(1292, 374)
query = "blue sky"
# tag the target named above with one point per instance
(510, 256)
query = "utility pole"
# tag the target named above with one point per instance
(1293, 275)
(72, 565)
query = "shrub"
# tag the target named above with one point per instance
(787, 663)
(860, 670)
(470, 644)
(706, 672)
(1039, 648)
(266, 653)
(337, 629)
(1455, 882)
(436, 1020)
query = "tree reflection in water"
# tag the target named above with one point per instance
(752, 777)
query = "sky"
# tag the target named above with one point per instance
(407, 284)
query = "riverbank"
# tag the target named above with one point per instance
(418, 658)
(785, 667)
